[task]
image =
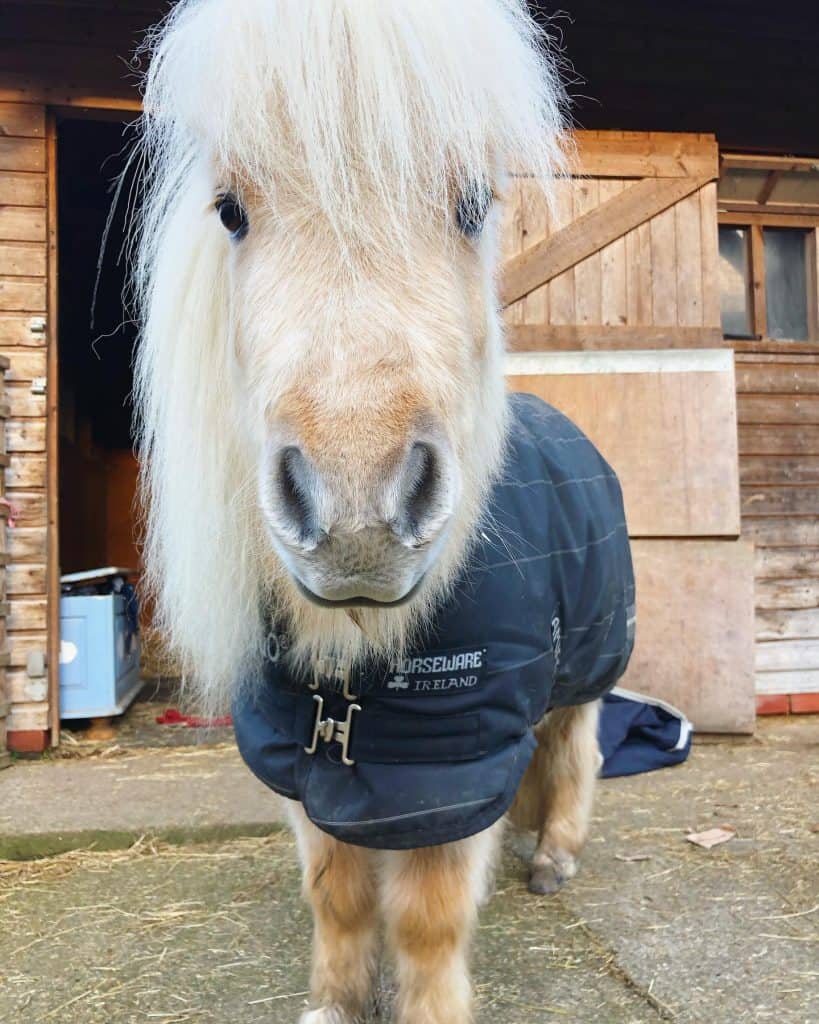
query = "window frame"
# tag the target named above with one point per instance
(755, 217)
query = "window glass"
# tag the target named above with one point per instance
(734, 281)
(786, 283)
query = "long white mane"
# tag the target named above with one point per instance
(381, 110)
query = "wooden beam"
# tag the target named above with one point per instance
(759, 302)
(745, 162)
(768, 187)
(584, 337)
(53, 446)
(772, 220)
(646, 155)
(784, 209)
(591, 233)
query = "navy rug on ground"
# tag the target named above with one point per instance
(639, 734)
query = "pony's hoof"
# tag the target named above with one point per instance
(326, 1015)
(551, 869)
(544, 881)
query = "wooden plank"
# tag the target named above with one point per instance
(787, 656)
(22, 155)
(25, 579)
(782, 563)
(27, 717)
(782, 533)
(758, 297)
(23, 294)
(639, 285)
(25, 364)
(709, 249)
(27, 615)
(27, 544)
(25, 436)
(592, 232)
(561, 287)
(780, 439)
(26, 470)
(775, 346)
(534, 223)
(29, 506)
(23, 404)
(778, 378)
(748, 162)
(768, 219)
(613, 298)
(644, 155)
(776, 470)
(789, 594)
(783, 209)
(696, 589)
(53, 443)
(21, 329)
(779, 500)
(22, 223)
(572, 337)
(689, 261)
(587, 283)
(778, 409)
(22, 189)
(21, 259)
(664, 267)
(511, 238)
(785, 624)
(24, 690)
(804, 681)
(22, 119)
(653, 428)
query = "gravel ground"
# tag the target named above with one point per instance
(654, 928)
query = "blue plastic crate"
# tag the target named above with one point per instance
(99, 656)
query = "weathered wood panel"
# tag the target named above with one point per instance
(23, 306)
(702, 589)
(20, 259)
(653, 428)
(18, 293)
(29, 580)
(779, 468)
(22, 154)
(787, 624)
(783, 439)
(23, 189)
(778, 409)
(785, 563)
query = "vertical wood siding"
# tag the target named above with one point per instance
(23, 309)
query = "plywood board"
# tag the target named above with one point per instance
(669, 434)
(695, 630)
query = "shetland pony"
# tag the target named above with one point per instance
(321, 400)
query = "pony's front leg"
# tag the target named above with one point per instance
(430, 898)
(339, 883)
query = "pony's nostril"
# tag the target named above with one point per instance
(293, 493)
(424, 497)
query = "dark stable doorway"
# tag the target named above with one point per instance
(96, 342)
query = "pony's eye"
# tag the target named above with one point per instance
(472, 209)
(232, 215)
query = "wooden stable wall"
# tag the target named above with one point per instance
(613, 314)
(778, 401)
(24, 304)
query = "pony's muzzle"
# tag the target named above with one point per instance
(352, 533)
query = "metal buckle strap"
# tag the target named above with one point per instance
(329, 730)
(333, 672)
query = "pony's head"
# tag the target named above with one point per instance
(320, 380)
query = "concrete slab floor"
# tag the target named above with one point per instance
(652, 929)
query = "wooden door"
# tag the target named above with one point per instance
(612, 308)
